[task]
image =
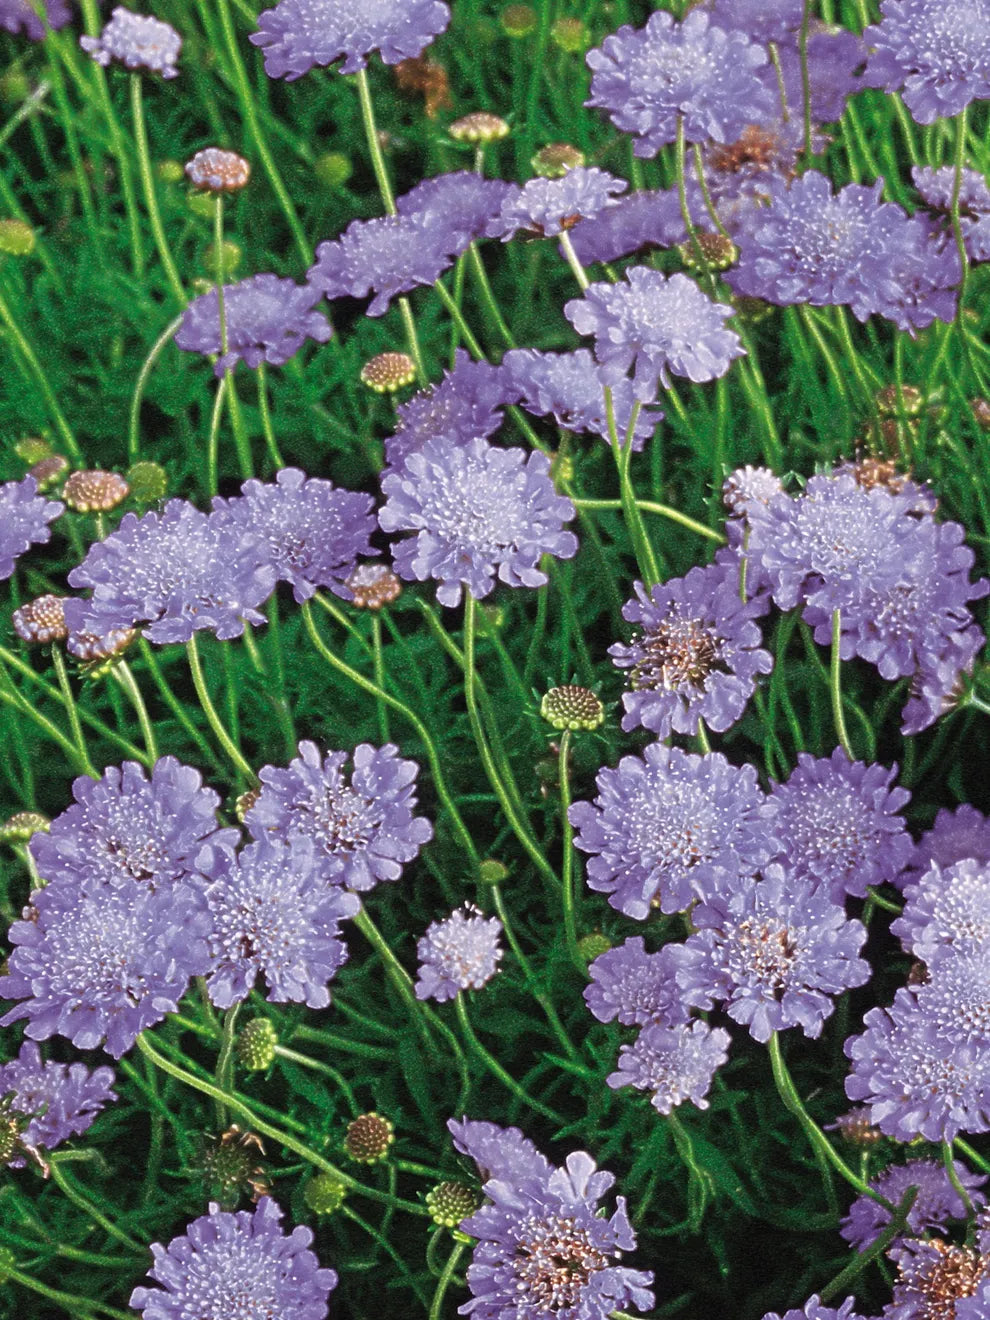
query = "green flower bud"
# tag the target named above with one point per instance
(255, 1046)
(518, 20)
(571, 35)
(148, 482)
(16, 238)
(450, 1202)
(572, 707)
(492, 872)
(20, 827)
(170, 171)
(231, 254)
(333, 169)
(593, 946)
(324, 1194)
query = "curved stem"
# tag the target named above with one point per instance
(225, 1060)
(835, 686)
(571, 257)
(875, 1250)
(69, 701)
(443, 1283)
(567, 865)
(213, 439)
(645, 557)
(68, 1301)
(661, 510)
(953, 1176)
(304, 1061)
(148, 187)
(210, 711)
(379, 659)
(487, 297)
(125, 677)
(556, 1026)
(495, 1068)
(37, 371)
(140, 384)
(82, 1202)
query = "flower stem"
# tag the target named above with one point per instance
(210, 711)
(304, 1061)
(877, 1247)
(148, 186)
(37, 371)
(69, 701)
(495, 1068)
(571, 257)
(266, 416)
(443, 1283)
(661, 510)
(68, 1301)
(82, 1202)
(134, 425)
(225, 1060)
(634, 523)
(953, 1176)
(125, 677)
(835, 686)
(567, 865)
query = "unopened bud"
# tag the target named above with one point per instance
(492, 871)
(450, 1202)
(388, 372)
(572, 707)
(22, 826)
(49, 470)
(170, 171)
(518, 20)
(571, 35)
(556, 158)
(751, 311)
(32, 449)
(368, 1138)
(333, 169)
(889, 401)
(231, 255)
(218, 171)
(255, 1046)
(593, 946)
(245, 802)
(479, 126)
(324, 1194)
(16, 238)
(148, 482)
(41, 620)
(95, 492)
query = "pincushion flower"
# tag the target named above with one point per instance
(461, 952)
(362, 824)
(937, 1201)
(137, 41)
(637, 220)
(22, 16)
(267, 319)
(634, 986)
(956, 834)
(299, 35)
(674, 1063)
(24, 519)
(814, 1309)
(234, 1266)
(459, 201)
(937, 1278)
(314, 533)
(696, 655)
(649, 78)
(657, 325)
(388, 255)
(466, 405)
(477, 512)
(671, 827)
(936, 53)
(549, 206)
(57, 1100)
(946, 905)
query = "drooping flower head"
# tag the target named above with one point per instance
(549, 206)
(937, 1201)
(936, 53)
(274, 915)
(462, 952)
(57, 1100)
(299, 35)
(22, 16)
(696, 654)
(671, 827)
(543, 1247)
(657, 325)
(24, 519)
(362, 825)
(234, 1266)
(634, 986)
(98, 963)
(126, 827)
(466, 405)
(178, 571)
(314, 532)
(673, 1063)
(648, 78)
(477, 512)
(267, 319)
(137, 41)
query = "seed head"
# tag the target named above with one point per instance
(170, 171)
(571, 35)
(255, 1047)
(324, 1194)
(718, 251)
(855, 1128)
(981, 413)
(368, 1138)
(32, 449)
(388, 372)
(98, 650)
(333, 169)
(593, 946)
(450, 1202)
(556, 158)
(148, 482)
(231, 255)
(492, 871)
(572, 707)
(518, 20)
(245, 802)
(48, 470)
(95, 492)
(16, 238)
(41, 620)
(889, 402)
(218, 171)
(20, 827)
(229, 1167)
(479, 126)
(373, 585)
(427, 77)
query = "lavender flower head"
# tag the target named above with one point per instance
(957, 834)
(549, 206)
(937, 187)
(126, 827)
(657, 325)
(946, 906)
(461, 200)
(24, 519)
(388, 255)
(696, 656)
(362, 825)
(273, 914)
(59, 1100)
(478, 512)
(233, 1265)
(634, 986)
(570, 387)
(95, 962)
(671, 827)
(673, 1063)
(637, 220)
(137, 41)
(21, 16)
(542, 1247)
(774, 951)
(462, 952)
(267, 319)
(299, 35)
(763, 20)
(840, 824)
(313, 532)
(466, 405)
(647, 78)
(936, 53)
(937, 1278)
(937, 1201)
(178, 571)
(814, 1309)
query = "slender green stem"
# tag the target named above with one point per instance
(376, 646)
(304, 1061)
(443, 1283)
(973, 1155)
(82, 1202)
(148, 187)
(374, 144)
(225, 1060)
(177, 707)
(69, 701)
(125, 677)
(571, 257)
(134, 424)
(10, 696)
(77, 1307)
(487, 296)
(567, 864)
(387, 1247)
(661, 510)
(213, 439)
(835, 685)
(457, 316)
(699, 169)
(210, 711)
(645, 557)
(495, 1068)
(266, 417)
(806, 82)
(898, 1221)
(37, 371)
(953, 1176)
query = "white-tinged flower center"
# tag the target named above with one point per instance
(555, 1260)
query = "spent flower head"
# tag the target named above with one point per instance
(218, 171)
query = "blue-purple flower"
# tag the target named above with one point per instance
(657, 325)
(947, 905)
(637, 220)
(234, 1264)
(674, 1063)
(669, 827)
(502, 1153)
(137, 41)
(362, 824)
(937, 1201)
(267, 319)
(649, 78)
(22, 16)
(957, 834)
(462, 201)
(936, 53)
(24, 519)
(937, 187)
(388, 255)
(477, 512)
(313, 532)
(696, 654)
(548, 206)
(634, 986)
(814, 1309)
(50, 1102)
(299, 35)
(462, 952)
(466, 405)
(936, 1278)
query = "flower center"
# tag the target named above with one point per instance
(954, 1274)
(554, 1262)
(677, 653)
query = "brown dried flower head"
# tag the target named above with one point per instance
(373, 585)
(48, 470)
(427, 77)
(218, 171)
(368, 1138)
(556, 158)
(387, 372)
(95, 491)
(41, 620)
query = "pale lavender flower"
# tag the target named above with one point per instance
(570, 387)
(673, 1063)
(936, 685)
(763, 20)
(549, 206)
(937, 187)
(936, 53)
(178, 571)
(650, 77)
(100, 963)
(696, 654)
(466, 405)
(925, 273)
(638, 220)
(267, 319)
(956, 996)
(313, 532)
(543, 1248)
(658, 325)
(840, 825)
(947, 905)
(462, 201)
(476, 512)
(462, 952)
(299, 35)
(957, 834)
(634, 986)
(671, 827)
(22, 16)
(814, 1309)
(937, 1201)
(774, 951)
(274, 915)
(387, 255)
(24, 519)
(750, 485)
(229, 1265)
(137, 41)
(58, 1100)
(362, 825)
(835, 60)
(126, 827)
